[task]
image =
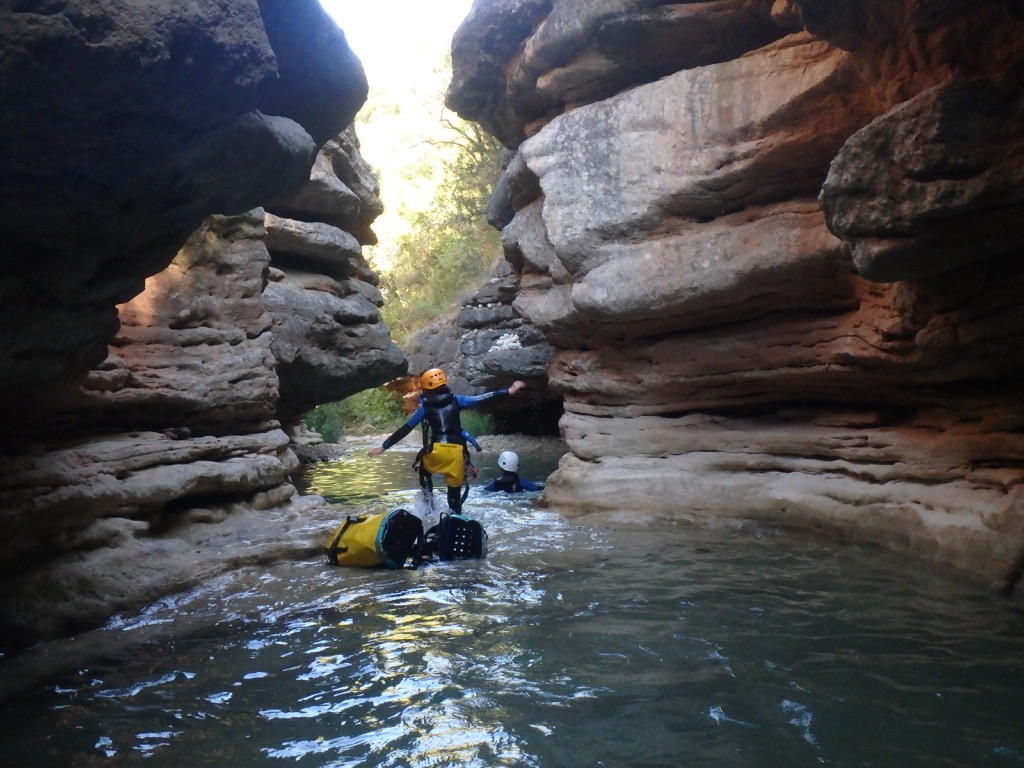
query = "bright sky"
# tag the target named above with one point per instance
(395, 36)
(402, 44)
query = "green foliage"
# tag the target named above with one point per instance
(373, 410)
(444, 245)
(478, 423)
(326, 419)
(449, 247)
(378, 410)
(438, 263)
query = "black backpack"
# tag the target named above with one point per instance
(456, 538)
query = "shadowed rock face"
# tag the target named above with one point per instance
(488, 345)
(780, 270)
(328, 338)
(162, 332)
(935, 184)
(125, 125)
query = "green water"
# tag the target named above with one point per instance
(568, 646)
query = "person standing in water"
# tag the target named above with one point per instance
(444, 444)
(510, 481)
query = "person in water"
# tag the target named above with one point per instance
(510, 481)
(444, 441)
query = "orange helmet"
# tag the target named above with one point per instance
(433, 379)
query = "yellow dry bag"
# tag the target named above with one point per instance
(386, 539)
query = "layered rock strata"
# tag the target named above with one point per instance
(780, 269)
(488, 345)
(160, 350)
(328, 338)
(126, 124)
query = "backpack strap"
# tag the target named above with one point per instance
(333, 550)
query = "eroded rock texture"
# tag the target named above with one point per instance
(328, 338)
(487, 345)
(162, 331)
(776, 247)
(124, 125)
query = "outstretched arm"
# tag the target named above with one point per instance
(471, 440)
(398, 434)
(468, 401)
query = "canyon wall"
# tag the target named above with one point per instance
(775, 246)
(486, 344)
(182, 272)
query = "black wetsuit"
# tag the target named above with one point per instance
(439, 414)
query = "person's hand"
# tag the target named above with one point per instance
(375, 451)
(516, 386)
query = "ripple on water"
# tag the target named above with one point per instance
(569, 645)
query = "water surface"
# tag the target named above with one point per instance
(569, 646)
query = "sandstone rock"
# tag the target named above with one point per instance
(342, 190)
(936, 183)
(487, 346)
(936, 511)
(134, 122)
(720, 359)
(437, 346)
(320, 83)
(194, 349)
(142, 448)
(326, 249)
(325, 196)
(329, 341)
(327, 347)
(777, 258)
(523, 62)
(899, 346)
(198, 480)
(130, 569)
(717, 143)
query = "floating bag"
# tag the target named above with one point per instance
(458, 538)
(386, 539)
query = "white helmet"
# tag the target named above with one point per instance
(509, 461)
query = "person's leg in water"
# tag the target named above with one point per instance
(446, 459)
(426, 482)
(455, 499)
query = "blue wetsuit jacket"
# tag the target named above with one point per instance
(512, 483)
(463, 401)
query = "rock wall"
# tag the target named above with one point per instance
(775, 247)
(133, 122)
(486, 344)
(185, 205)
(328, 338)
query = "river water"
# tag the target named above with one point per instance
(569, 646)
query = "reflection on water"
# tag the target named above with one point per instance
(390, 479)
(568, 646)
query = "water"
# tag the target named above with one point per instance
(569, 646)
